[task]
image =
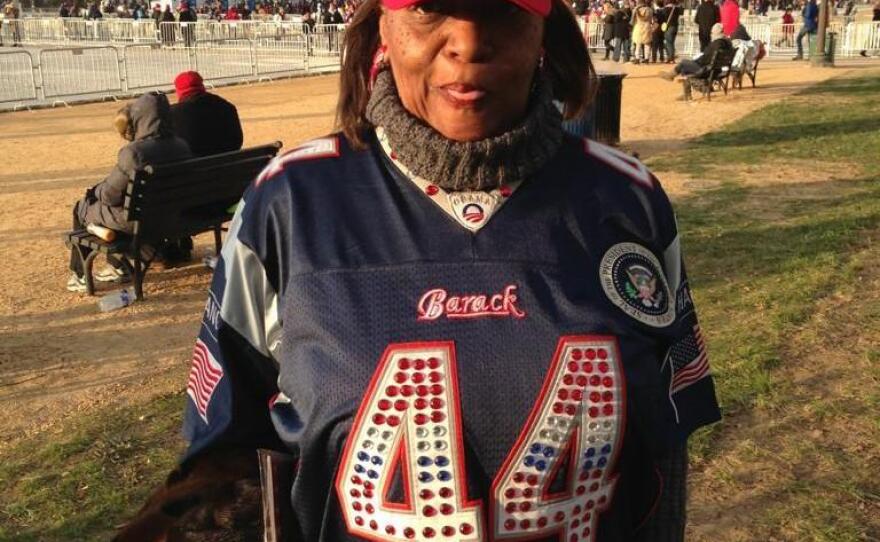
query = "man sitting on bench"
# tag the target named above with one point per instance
(146, 123)
(697, 65)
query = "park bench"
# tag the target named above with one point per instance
(172, 201)
(713, 77)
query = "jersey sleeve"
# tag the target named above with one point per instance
(234, 369)
(685, 361)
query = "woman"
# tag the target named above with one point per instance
(608, 14)
(642, 18)
(462, 322)
(146, 124)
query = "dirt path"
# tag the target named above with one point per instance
(60, 357)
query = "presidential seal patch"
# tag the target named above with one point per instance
(633, 280)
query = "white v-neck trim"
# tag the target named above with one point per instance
(470, 209)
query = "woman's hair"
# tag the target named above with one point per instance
(566, 65)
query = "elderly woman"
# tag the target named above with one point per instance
(463, 323)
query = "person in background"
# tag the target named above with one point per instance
(64, 11)
(810, 14)
(622, 32)
(707, 15)
(642, 18)
(146, 123)
(332, 15)
(787, 29)
(692, 67)
(609, 12)
(729, 16)
(208, 123)
(658, 48)
(186, 15)
(673, 14)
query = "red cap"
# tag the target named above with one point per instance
(538, 7)
(187, 84)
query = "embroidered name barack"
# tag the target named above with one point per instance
(437, 303)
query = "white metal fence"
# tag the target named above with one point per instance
(118, 57)
(324, 42)
(84, 70)
(17, 69)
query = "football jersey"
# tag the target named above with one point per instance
(512, 381)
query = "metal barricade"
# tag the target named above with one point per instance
(285, 54)
(860, 37)
(325, 46)
(152, 66)
(80, 71)
(17, 69)
(225, 59)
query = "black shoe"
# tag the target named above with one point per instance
(798, 57)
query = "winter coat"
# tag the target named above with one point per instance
(154, 143)
(621, 24)
(208, 123)
(643, 16)
(608, 27)
(729, 16)
(707, 15)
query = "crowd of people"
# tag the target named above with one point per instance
(311, 11)
(199, 124)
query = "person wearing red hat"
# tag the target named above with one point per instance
(462, 323)
(208, 122)
(210, 125)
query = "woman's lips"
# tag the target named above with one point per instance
(462, 95)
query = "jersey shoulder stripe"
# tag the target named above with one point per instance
(622, 162)
(316, 149)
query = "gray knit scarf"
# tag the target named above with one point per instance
(478, 165)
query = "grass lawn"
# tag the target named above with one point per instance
(781, 227)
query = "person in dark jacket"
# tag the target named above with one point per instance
(186, 15)
(707, 15)
(608, 16)
(208, 123)
(810, 14)
(622, 34)
(687, 66)
(146, 123)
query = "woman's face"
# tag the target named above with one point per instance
(464, 67)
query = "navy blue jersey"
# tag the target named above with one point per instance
(514, 382)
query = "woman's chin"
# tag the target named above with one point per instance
(463, 127)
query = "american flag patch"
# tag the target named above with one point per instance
(204, 376)
(689, 360)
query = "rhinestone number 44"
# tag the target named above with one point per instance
(410, 422)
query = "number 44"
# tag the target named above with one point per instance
(409, 422)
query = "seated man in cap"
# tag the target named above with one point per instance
(207, 122)
(692, 67)
(210, 125)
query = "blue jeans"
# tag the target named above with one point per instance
(671, 34)
(622, 46)
(800, 40)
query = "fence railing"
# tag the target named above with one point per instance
(89, 71)
(325, 41)
(17, 69)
